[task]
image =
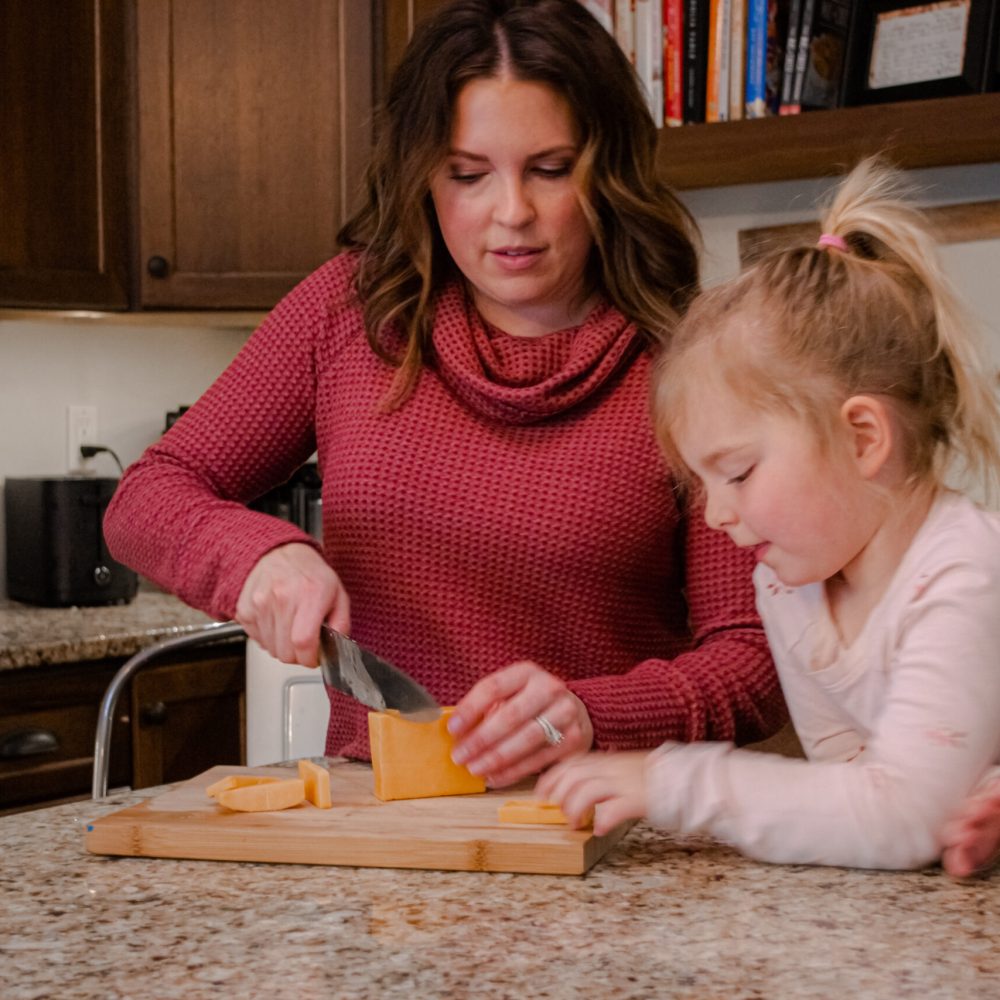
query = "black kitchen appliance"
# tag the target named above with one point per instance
(56, 554)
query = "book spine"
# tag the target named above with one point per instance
(787, 107)
(802, 51)
(737, 59)
(714, 60)
(717, 87)
(756, 59)
(823, 83)
(625, 27)
(649, 55)
(777, 30)
(673, 61)
(656, 60)
(695, 59)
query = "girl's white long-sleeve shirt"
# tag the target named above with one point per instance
(898, 727)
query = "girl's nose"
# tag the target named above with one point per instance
(514, 207)
(718, 514)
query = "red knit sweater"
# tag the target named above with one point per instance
(516, 506)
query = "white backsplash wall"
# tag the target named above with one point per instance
(134, 375)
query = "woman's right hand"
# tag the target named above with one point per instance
(290, 592)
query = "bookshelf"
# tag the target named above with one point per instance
(943, 131)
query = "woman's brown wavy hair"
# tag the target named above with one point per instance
(645, 256)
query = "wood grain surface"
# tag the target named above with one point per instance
(453, 833)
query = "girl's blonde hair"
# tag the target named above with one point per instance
(806, 328)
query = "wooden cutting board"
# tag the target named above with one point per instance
(455, 833)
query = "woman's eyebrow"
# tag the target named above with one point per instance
(554, 151)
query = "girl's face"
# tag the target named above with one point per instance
(509, 209)
(807, 513)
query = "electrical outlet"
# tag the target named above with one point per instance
(81, 428)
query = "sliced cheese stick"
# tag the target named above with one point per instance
(238, 781)
(317, 784)
(532, 811)
(281, 794)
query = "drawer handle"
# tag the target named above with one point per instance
(28, 743)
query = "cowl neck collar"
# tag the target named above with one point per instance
(521, 380)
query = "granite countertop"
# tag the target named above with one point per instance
(32, 636)
(654, 918)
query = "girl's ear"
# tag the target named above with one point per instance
(869, 425)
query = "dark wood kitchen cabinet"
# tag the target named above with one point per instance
(176, 718)
(187, 717)
(64, 178)
(177, 153)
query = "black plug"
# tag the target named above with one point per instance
(90, 450)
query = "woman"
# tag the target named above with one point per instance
(472, 372)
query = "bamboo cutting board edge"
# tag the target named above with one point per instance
(457, 833)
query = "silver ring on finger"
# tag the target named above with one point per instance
(552, 735)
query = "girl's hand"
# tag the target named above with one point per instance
(285, 598)
(496, 728)
(972, 838)
(611, 786)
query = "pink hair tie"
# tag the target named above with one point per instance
(830, 240)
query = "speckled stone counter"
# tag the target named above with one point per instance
(31, 636)
(653, 919)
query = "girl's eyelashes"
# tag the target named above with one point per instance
(741, 478)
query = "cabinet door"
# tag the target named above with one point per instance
(188, 717)
(254, 130)
(48, 719)
(64, 114)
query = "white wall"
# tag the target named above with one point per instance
(134, 375)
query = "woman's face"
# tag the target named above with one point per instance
(509, 209)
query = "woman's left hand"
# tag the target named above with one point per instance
(609, 786)
(498, 729)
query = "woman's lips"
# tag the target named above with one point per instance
(516, 258)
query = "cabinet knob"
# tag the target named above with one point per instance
(154, 714)
(158, 267)
(27, 743)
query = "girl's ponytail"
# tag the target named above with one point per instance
(956, 399)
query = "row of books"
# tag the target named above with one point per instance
(721, 60)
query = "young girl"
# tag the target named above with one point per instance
(823, 400)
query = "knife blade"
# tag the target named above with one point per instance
(368, 678)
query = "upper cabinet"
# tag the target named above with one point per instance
(254, 126)
(178, 153)
(64, 186)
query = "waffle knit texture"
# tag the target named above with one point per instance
(515, 507)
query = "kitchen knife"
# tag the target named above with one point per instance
(361, 674)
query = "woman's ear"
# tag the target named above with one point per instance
(869, 425)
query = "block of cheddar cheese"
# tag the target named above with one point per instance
(412, 760)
